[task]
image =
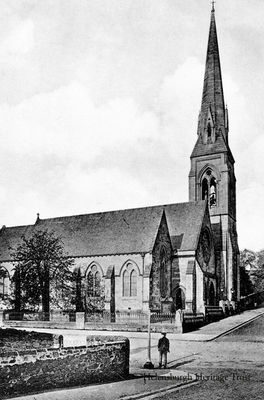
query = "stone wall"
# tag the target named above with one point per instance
(13, 339)
(29, 371)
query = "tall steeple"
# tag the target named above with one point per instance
(212, 173)
(213, 122)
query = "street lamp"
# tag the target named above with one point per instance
(148, 364)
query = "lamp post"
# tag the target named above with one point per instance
(148, 364)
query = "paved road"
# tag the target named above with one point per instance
(232, 363)
(232, 367)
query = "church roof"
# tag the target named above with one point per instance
(114, 232)
(184, 223)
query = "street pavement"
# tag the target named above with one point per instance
(214, 347)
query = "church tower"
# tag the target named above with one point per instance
(212, 175)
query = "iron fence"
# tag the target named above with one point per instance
(94, 317)
(129, 317)
(159, 317)
(26, 316)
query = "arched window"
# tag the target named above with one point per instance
(126, 290)
(97, 282)
(133, 283)
(94, 282)
(209, 131)
(163, 281)
(3, 282)
(129, 281)
(209, 188)
(212, 192)
(204, 189)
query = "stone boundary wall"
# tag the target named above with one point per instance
(170, 328)
(40, 324)
(94, 326)
(16, 340)
(29, 371)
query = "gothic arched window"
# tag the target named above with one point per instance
(212, 192)
(163, 288)
(94, 282)
(204, 189)
(126, 284)
(129, 281)
(133, 283)
(209, 131)
(3, 282)
(209, 188)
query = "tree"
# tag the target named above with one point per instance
(248, 262)
(42, 271)
(251, 271)
(258, 273)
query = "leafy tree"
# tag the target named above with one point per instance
(248, 260)
(43, 274)
(252, 281)
(258, 273)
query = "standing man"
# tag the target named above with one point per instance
(164, 348)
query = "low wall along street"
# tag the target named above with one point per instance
(28, 371)
(14, 339)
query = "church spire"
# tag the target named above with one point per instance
(213, 95)
(212, 124)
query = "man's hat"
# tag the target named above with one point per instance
(163, 331)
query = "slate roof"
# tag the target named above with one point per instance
(185, 223)
(114, 232)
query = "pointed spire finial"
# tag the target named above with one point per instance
(213, 7)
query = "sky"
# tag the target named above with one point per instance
(99, 104)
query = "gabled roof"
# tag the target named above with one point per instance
(184, 223)
(114, 232)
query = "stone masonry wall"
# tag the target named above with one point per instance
(13, 339)
(23, 372)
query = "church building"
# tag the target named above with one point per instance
(175, 256)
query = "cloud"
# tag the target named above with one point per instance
(250, 217)
(19, 41)
(74, 146)
(66, 123)
(111, 155)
